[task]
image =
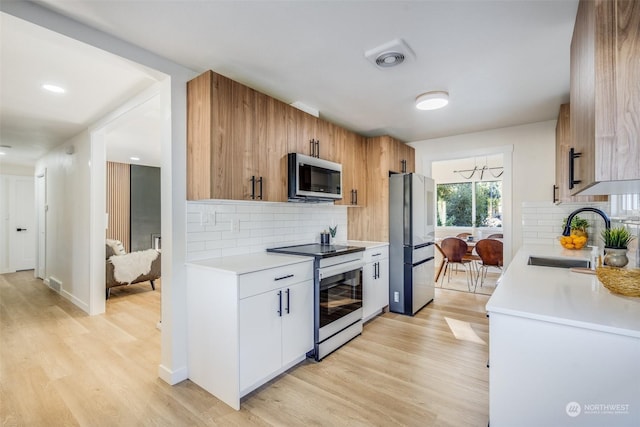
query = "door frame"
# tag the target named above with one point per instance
(98, 198)
(41, 218)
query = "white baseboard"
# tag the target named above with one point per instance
(77, 302)
(172, 377)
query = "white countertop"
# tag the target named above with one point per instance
(249, 263)
(559, 295)
(366, 244)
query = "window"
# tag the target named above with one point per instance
(460, 203)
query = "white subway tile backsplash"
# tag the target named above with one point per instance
(218, 228)
(542, 221)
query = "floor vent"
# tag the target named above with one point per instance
(55, 284)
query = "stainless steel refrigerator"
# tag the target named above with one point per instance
(411, 242)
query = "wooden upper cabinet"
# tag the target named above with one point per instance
(384, 155)
(563, 144)
(354, 167)
(236, 141)
(605, 98)
(301, 128)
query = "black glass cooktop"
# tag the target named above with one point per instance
(317, 250)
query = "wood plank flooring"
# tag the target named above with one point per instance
(59, 366)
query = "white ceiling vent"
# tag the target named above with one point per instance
(390, 54)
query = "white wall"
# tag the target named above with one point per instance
(68, 248)
(532, 164)
(218, 228)
(19, 170)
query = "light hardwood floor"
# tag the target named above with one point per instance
(59, 366)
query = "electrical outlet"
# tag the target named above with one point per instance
(396, 297)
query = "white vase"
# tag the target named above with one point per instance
(614, 257)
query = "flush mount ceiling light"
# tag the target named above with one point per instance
(53, 88)
(390, 54)
(432, 100)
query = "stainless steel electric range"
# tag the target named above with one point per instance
(337, 293)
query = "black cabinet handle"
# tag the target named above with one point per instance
(21, 229)
(283, 277)
(260, 182)
(555, 190)
(403, 166)
(280, 303)
(288, 301)
(572, 156)
(315, 147)
(253, 187)
(355, 193)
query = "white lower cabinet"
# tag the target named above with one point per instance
(375, 281)
(247, 327)
(276, 328)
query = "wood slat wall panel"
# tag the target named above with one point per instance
(118, 202)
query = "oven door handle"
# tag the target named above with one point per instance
(340, 268)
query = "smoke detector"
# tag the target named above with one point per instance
(390, 54)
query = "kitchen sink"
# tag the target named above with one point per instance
(558, 262)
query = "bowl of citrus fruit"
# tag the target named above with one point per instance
(573, 241)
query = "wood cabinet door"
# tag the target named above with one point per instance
(297, 321)
(604, 95)
(563, 141)
(331, 141)
(301, 129)
(260, 337)
(270, 152)
(582, 95)
(246, 107)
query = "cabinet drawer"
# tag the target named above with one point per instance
(274, 278)
(376, 254)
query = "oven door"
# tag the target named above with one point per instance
(340, 300)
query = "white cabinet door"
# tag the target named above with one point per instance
(375, 288)
(297, 321)
(369, 292)
(382, 284)
(260, 337)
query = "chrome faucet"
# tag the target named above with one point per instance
(567, 228)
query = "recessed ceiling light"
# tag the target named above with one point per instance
(135, 159)
(53, 88)
(2, 153)
(432, 100)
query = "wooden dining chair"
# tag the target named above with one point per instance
(495, 236)
(455, 250)
(463, 236)
(490, 253)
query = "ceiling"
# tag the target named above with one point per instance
(34, 121)
(504, 63)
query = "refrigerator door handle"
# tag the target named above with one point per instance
(423, 261)
(422, 245)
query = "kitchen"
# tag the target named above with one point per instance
(249, 216)
(500, 415)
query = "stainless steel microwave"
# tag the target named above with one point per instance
(313, 179)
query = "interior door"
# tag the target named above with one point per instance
(22, 224)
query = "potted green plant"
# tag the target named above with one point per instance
(578, 226)
(615, 246)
